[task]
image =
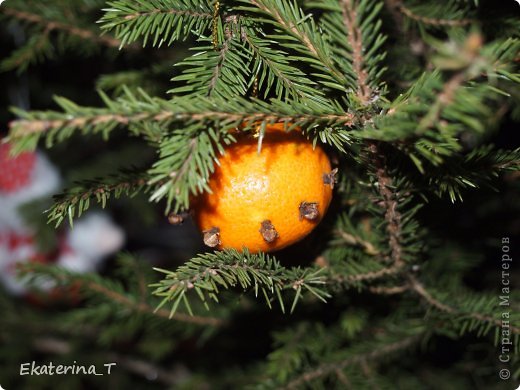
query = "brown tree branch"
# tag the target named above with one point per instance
(24, 127)
(432, 21)
(326, 369)
(146, 308)
(369, 276)
(350, 239)
(355, 38)
(392, 215)
(418, 287)
(381, 290)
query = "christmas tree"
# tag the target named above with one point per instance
(125, 111)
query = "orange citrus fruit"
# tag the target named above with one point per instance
(265, 201)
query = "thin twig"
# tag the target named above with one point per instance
(393, 221)
(28, 54)
(418, 288)
(358, 241)
(411, 36)
(146, 308)
(389, 290)
(218, 69)
(51, 345)
(433, 21)
(386, 271)
(443, 99)
(51, 25)
(141, 282)
(326, 369)
(342, 378)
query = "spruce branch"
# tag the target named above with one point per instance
(281, 17)
(461, 172)
(35, 50)
(420, 289)
(51, 25)
(158, 21)
(355, 38)
(22, 128)
(436, 22)
(350, 239)
(146, 308)
(189, 125)
(444, 98)
(392, 215)
(222, 73)
(274, 70)
(134, 110)
(74, 201)
(329, 368)
(208, 273)
(353, 31)
(416, 286)
(217, 71)
(95, 285)
(379, 273)
(186, 161)
(384, 290)
(299, 32)
(374, 263)
(446, 108)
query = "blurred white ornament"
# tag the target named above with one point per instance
(26, 178)
(91, 239)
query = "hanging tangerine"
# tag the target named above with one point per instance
(267, 200)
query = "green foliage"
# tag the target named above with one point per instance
(52, 31)
(222, 73)
(185, 164)
(208, 273)
(437, 111)
(353, 31)
(37, 49)
(479, 168)
(76, 200)
(313, 354)
(384, 278)
(296, 30)
(274, 70)
(435, 16)
(158, 21)
(151, 80)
